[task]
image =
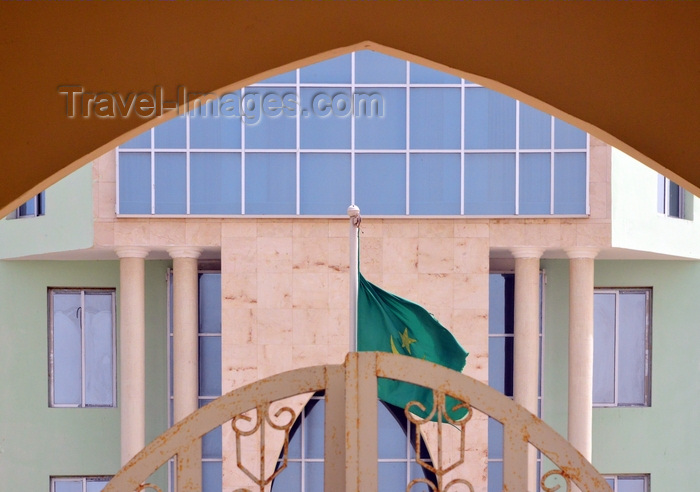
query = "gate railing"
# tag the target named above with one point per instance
(351, 431)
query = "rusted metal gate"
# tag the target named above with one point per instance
(351, 431)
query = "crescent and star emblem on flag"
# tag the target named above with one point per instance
(406, 342)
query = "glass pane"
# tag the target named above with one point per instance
(283, 78)
(435, 115)
(632, 348)
(435, 188)
(210, 303)
(211, 476)
(611, 482)
(210, 366)
(535, 128)
(380, 184)
(501, 364)
(325, 123)
(171, 134)
(376, 68)
(215, 183)
(289, 480)
(99, 349)
(661, 194)
(570, 183)
(314, 428)
(67, 354)
(567, 136)
(495, 472)
(391, 437)
(535, 184)
(384, 127)
(96, 485)
(134, 183)
(212, 128)
(425, 75)
(171, 183)
(325, 184)
(489, 184)
(604, 348)
(495, 439)
(270, 184)
(489, 119)
(501, 302)
(143, 141)
(334, 71)
(28, 208)
(630, 484)
(65, 485)
(267, 124)
(314, 476)
(392, 477)
(211, 444)
(674, 198)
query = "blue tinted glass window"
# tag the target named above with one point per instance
(385, 129)
(215, 183)
(489, 119)
(211, 441)
(535, 184)
(325, 123)
(214, 130)
(570, 183)
(270, 184)
(211, 476)
(134, 183)
(435, 184)
(171, 134)
(535, 128)
(325, 184)
(435, 115)
(495, 476)
(210, 303)
(501, 299)
(495, 439)
(567, 136)
(210, 366)
(489, 184)
(267, 124)
(334, 71)
(377, 68)
(283, 78)
(171, 183)
(380, 183)
(425, 75)
(143, 141)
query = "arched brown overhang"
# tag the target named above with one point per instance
(626, 72)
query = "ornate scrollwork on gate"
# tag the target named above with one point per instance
(262, 421)
(148, 486)
(555, 487)
(442, 415)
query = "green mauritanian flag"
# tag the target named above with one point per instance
(389, 323)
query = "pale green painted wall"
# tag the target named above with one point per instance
(664, 439)
(66, 225)
(636, 223)
(37, 441)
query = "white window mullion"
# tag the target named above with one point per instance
(551, 165)
(82, 348)
(407, 88)
(517, 157)
(298, 147)
(462, 116)
(153, 172)
(187, 163)
(243, 154)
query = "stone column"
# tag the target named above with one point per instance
(581, 348)
(185, 331)
(132, 342)
(526, 355)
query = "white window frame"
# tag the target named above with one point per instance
(82, 292)
(664, 198)
(615, 478)
(84, 480)
(647, 342)
(39, 208)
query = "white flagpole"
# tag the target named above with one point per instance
(354, 214)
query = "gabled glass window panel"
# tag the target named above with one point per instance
(489, 184)
(142, 141)
(435, 184)
(270, 184)
(387, 129)
(326, 119)
(265, 129)
(172, 134)
(535, 184)
(489, 120)
(324, 184)
(570, 183)
(79, 484)
(333, 71)
(423, 75)
(621, 355)
(34, 207)
(82, 349)
(215, 183)
(372, 67)
(214, 130)
(435, 118)
(535, 128)
(170, 183)
(135, 182)
(567, 136)
(380, 183)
